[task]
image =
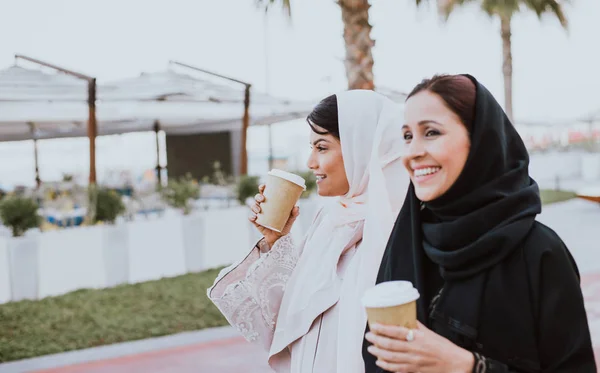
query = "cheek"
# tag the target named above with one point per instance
(452, 156)
(406, 163)
(331, 163)
(447, 152)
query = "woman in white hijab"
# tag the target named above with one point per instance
(300, 300)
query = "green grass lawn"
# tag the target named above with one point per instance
(551, 196)
(88, 318)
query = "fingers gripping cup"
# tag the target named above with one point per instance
(392, 303)
(282, 192)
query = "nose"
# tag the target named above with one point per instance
(312, 163)
(415, 149)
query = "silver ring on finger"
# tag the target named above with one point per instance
(410, 336)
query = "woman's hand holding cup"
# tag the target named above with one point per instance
(270, 235)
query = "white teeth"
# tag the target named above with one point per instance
(320, 177)
(426, 171)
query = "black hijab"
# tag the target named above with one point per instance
(477, 223)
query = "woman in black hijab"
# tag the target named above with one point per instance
(499, 292)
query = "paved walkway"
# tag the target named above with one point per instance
(223, 356)
(575, 221)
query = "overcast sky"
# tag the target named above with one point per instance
(556, 73)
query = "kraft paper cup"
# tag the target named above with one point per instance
(282, 192)
(392, 303)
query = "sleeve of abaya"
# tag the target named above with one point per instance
(249, 293)
(563, 335)
(485, 365)
(563, 332)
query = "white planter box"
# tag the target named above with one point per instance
(23, 253)
(193, 242)
(549, 166)
(228, 236)
(57, 262)
(590, 166)
(71, 259)
(156, 249)
(115, 251)
(5, 293)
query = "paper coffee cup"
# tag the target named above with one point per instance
(282, 192)
(392, 303)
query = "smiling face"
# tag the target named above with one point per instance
(327, 163)
(437, 145)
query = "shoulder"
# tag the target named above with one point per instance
(543, 249)
(541, 241)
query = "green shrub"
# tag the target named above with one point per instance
(180, 193)
(311, 182)
(247, 186)
(109, 206)
(19, 214)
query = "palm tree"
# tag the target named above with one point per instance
(357, 38)
(505, 10)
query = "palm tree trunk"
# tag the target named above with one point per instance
(507, 64)
(357, 37)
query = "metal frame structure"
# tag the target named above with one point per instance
(92, 127)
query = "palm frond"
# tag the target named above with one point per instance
(506, 8)
(286, 6)
(556, 7)
(446, 7)
(548, 6)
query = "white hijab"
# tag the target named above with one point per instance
(371, 141)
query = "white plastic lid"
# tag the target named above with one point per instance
(391, 293)
(298, 180)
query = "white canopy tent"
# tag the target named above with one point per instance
(56, 104)
(116, 113)
(38, 105)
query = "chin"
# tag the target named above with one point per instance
(325, 192)
(322, 193)
(426, 195)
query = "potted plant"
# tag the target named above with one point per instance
(310, 181)
(21, 214)
(181, 193)
(247, 186)
(109, 206)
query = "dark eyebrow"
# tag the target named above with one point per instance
(318, 141)
(424, 122)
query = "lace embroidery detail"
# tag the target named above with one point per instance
(252, 304)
